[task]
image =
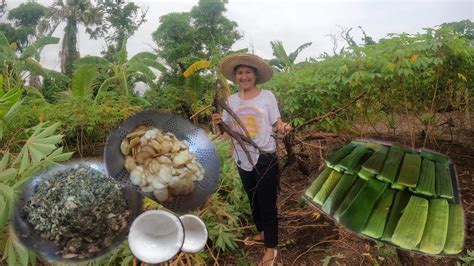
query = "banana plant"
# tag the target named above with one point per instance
(123, 72)
(38, 152)
(9, 104)
(82, 85)
(284, 62)
(213, 65)
(17, 67)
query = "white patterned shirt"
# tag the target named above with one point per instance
(258, 115)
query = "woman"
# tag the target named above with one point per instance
(258, 110)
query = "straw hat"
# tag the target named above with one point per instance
(228, 64)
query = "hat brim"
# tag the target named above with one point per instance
(228, 64)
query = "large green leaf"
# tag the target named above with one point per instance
(24, 159)
(39, 145)
(89, 61)
(143, 55)
(154, 64)
(8, 195)
(15, 252)
(11, 97)
(8, 175)
(4, 214)
(34, 67)
(142, 69)
(5, 46)
(104, 86)
(9, 105)
(280, 53)
(4, 161)
(59, 156)
(47, 131)
(298, 50)
(35, 48)
(57, 76)
(12, 111)
(50, 160)
(83, 82)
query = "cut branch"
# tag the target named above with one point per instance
(221, 105)
(200, 111)
(331, 113)
(289, 139)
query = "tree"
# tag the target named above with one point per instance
(283, 61)
(184, 38)
(24, 20)
(121, 21)
(15, 67)
(3, 6)
(463, 27)
(176, 40)
(73, 12)
(213, 29)
(345, 35)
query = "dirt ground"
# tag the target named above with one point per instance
(308, 237)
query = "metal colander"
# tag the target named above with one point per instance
(183, 129)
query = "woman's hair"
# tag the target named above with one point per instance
(242, 65)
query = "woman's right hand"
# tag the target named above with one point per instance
(216, 119)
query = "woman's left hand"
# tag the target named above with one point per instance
(283, 128)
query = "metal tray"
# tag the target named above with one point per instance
(46, 249)
(456, 200)
(183, 129)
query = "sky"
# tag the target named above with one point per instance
(294, 22)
